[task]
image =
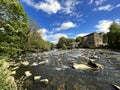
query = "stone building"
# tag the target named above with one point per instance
(93, 40)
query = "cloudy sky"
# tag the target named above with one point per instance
(72, 18)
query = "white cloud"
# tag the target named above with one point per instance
(82, 34)
(99, 2)
(70, 6)
(118, 5)
(105, 8)
(56, 37)
(65, 26)
(48, 6)
(43, 32)
(103, 25)
(91, 1)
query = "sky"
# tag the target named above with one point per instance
(72, 18)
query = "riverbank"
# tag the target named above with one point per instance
(7, 81)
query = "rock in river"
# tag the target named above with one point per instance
(116, 87)
(27, 73)
(44, 81)
(25, 63)
(36, 78)
(87, 66)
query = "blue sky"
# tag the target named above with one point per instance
(72, 18)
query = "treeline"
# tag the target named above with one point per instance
(112, 38)
(16, 33)
(69, 43)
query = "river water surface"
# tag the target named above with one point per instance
(62, 76)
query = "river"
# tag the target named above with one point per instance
(57, 68)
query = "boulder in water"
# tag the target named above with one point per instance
(25, 63)
(37, 78)
(13, 72)
(34, 64)
(116, 87)
(44, 81)
(81, 66)
(27, 73)
(87, 66)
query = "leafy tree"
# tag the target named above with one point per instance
(70, 40)
(34, 41)
(78, 39)
(114, 35)
(13, 27)
(62, 42)
(105, 38)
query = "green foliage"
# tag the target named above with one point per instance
(114, 36)
(62, 42)
(3, 58)
(105, 38)
(64, 47)
(3, 84)
(78, 39)
(70, 40)
(65, 43)
(36, 43)
(13, 27)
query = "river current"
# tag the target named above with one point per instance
(59, 71)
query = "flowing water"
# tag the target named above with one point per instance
(62, 76)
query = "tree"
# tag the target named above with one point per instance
(70, 40)
(13, 27)
(35, 42)
(78, 39)
(105, 38)
(114, 35)
(62, 42)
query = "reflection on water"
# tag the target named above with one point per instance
(58, 70)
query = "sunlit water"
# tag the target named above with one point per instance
(58, 70)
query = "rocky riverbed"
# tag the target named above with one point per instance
(55, 70)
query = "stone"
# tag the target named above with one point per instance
(42, 62)
(20, 58)
(36, 78)
(13, 72)
(117, 87)
(39, 58)
(44, 81)
(87, 66)
(25, 63)
(15, 68)
(34, 64)
(34, 55)
(81, 66)
(27, 73)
